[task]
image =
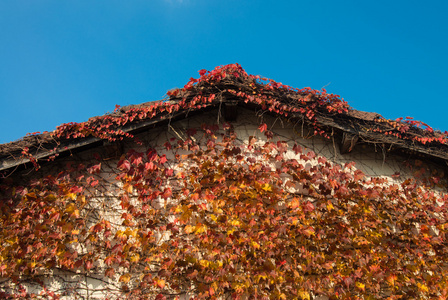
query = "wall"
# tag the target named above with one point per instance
(104, 204)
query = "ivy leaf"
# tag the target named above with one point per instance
(263, 127)
(160, 283)
(95, 169)
(125, 278)
(124, 165)
(110, 272)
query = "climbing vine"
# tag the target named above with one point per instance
(212, 215)
(212, 86)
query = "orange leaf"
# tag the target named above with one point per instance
(160, 283)
(125, 278)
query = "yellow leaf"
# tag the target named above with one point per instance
(214, 286)
(81, 199)
(422, 287)
(12, 241)
(178, 209)
(391, 279)
(134, 258)
(186, 213)
(235, 223)
(189, 229)
(255, 245)
(130, 232)
(128, 188)
(230, 231)
(258, 277)
(120, 235)
(304, 295)
(213, 217)
(60, 252)
(267, 187)
(360, 285)
(200, 228)
(125, 278)
(70, 208)
(204, 263)
(71, 196)
(75, 214)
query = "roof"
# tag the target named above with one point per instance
(228, 87)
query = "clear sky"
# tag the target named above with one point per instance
(66, 61)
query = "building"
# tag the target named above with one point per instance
(234, 186)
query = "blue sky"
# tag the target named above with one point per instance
(66, 61)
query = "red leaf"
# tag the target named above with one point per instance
(348, 281)
(94, 169)
(308, 206)
(109, 260)
(167, 193)
(322, 160)
(263, 127)
(124, 165)
(150, 166)
(358, 175)
(297, 149)
(169, 172)
(110, 272)
(89, 265)
(163, 159)
(167, 146)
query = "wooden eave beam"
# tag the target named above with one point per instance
(12, 162)
(405, 144)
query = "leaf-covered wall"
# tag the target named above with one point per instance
(258, 208)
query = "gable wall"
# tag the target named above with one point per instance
(373, 162)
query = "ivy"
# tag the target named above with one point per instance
(211, 215)
(213, 86)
